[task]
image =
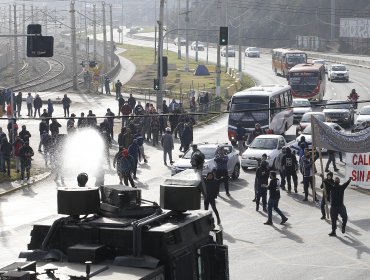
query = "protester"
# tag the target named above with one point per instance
(18, 102)
(106, 85)
(222, 173)
(126, 167)
(71, 124)
(54, 128)
(197, 158)
(240, 137)
(50, 108)
(290, 165)
(307, 170)
(118, 86)
(331, 159)
(262, 175)
(263, 158)
(91, 119)
(66, 105)
(26, 154)
(24, 134)
(274, 198)
(256, 132)
(140, 141)
(110, 119)
(326, 183)
(131, 102)
(6, 153)
(37, 104)
(281, 167)
(18, 143)
(43, 126)
(210, 192)
(168, 146)
(134, 151)
(29, 102)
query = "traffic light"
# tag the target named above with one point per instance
(224, 35)
(156, 84)
(39, 46)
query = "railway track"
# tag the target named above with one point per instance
(56, 68)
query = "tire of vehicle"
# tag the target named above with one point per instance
(236, 172)
(245, 169)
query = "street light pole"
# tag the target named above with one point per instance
(218, 65)
(187, 37)
(178, 33)
(111, 37)
(73, 45)
(105, 55)
(16, 66)
(160, 55)
(94, 30)
(24, 31)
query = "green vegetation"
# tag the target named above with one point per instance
(178, 79)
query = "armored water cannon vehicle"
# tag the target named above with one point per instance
(111, 232)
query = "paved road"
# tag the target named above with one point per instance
(299, 250)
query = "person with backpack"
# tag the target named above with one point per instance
(222, 173)
(289, 163)
(262, 175)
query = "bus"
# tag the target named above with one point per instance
(268, 105)
(284, 59)
(308, 81)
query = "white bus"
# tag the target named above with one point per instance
(268, 105)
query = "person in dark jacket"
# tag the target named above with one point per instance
(82, 121)
(127, 164)
(24, 134)
(140, 142)
(210, 191)
(66, 104)
(43, 126)
(118, 86)
(131, 101)
(91, 119)
(138, 109)
(54, 128)
(273, 203)
(240, 137)
(18, 102)
(110, 118)
(134, 151)
(290, 164)
(331, 159)
(45, 116)
(50, 108)
(121, 101)
(26, 154)
(337, 205)
(262, 175)
(186, 137)
(37, 104)
(326, 183)
(222, 173)
(168, 146)
(6, 152)
(258, 130)
(307, 170)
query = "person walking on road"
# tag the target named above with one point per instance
(118, 86)
(256, 132)
(331, 159)
(337, 205)
(168, 146)
(18, 102)
(50, 108)
(106, 85)
(263, 158)
(24, 134)
(307, 170)
(262, 174)
(222, 173)
(134, 151)
(326, 183)
(110, 118)
(131, 102)
(126, 167)
(290, 165)
(210, 191)
(66, 104)
(240, 137)
(281, 167)
(197, 159)
(273, 203)
(6, 152)
(26, 154)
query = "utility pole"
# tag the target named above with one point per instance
(24, 31)
(240, 70)
(218, 65)
(16, 69)
(10, 31)
(94, 30)
(160, 55)
(86, 36)
(73, 45)
(178, 32)
(46, 20)
(32, 19)
(227, 47)
(155, 31)
(187, 37)
(111, 38)
(332, 20)
(105, 41)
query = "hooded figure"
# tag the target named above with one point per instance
(262, 175)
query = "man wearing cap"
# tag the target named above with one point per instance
(168, 146)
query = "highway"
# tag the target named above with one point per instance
(299, 250)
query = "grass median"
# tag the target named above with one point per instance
(178, 80)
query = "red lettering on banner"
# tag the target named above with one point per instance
(354, 178)
(360, 160)
(354, 159)
(359, 175)
(368, 176)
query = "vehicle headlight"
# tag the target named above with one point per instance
(244, 157)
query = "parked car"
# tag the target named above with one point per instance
(230, 51)
(306, 120)
(193, 46)
(252, 52)
(363, 115)
(339, 111)
(307, 133)
(300, 107)
(210, 150)
(338, 72)
(269, 144)
(321, 61)
(181, 40)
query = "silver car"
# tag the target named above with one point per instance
(210, 151)
(230, 51)
(252, 52)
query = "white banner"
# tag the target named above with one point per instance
(358, 167)
(355, 27)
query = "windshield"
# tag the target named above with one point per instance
(365, 111)
(264, 143)
(296, 58)
(307, 130)
(310, 81)
(336, 105)
(209, 152)
(339, 68)
(307, 117)
(253, 49)
(253, 103)
(319, 62)
(301, 103)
